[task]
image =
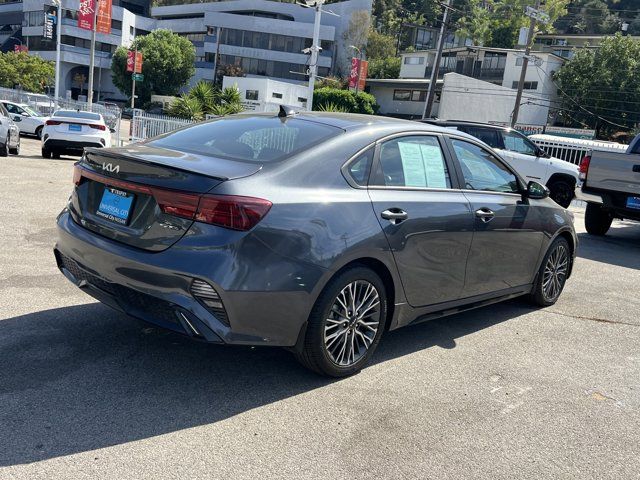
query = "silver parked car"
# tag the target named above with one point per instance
(313, 231)
(9, 134)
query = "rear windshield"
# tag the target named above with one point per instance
(259, 139)
(74, 114)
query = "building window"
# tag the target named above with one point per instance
(251, 95)
(527, 85)
(414, 60)
(302, 100)
(402, 95)
(132, 31)
(276, 95)
(519, 61)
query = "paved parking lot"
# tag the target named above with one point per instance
(501, 392)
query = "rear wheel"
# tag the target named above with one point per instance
(553, 274)
(597, 220)
(46, 153)
(346, 324)
(561, 192)
(4, 151)
(39, 132)
(55, 154)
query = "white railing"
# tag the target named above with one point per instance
(573, 149)
(144, 125)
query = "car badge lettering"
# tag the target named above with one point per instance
(109, 167)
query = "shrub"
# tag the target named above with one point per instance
(345, 100)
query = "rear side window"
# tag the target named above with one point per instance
(259, 139)
(487, 135)
(415, 161)
(360, 167)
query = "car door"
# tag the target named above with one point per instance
(426, 218)
(522, 154)
(26, 121)
(508, 233)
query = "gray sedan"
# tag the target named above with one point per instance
(313, 231)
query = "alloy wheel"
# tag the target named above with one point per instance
(555, 272)
(353, 322)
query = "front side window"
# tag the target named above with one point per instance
(482, 171)
(415, 161)
(11, 108)
(516, 142)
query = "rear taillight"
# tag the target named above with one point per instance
(98, 127)
(584, 167)
(231, 211)
(228, 211)
(53, 122)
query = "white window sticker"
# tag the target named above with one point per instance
(434, 166)
(412, 164)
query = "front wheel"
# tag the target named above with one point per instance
(346, 324)
(39, 133)
(552, 274)
(561, 192)
(16, 150)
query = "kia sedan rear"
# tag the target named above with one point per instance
(68, 132)
(312, 231)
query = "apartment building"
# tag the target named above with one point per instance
(564, 45)
(263, 37)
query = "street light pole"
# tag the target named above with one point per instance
(56, 90)
(92, 53)
(315, 48)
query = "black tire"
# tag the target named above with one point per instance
(16, 150)
(561, 192)
(55, 154)
(39, 133)
(46, 153)
(597, 220)
(540, 295)
(314, 354)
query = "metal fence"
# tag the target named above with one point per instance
(573, 149)
(145, 125)
(46, 105)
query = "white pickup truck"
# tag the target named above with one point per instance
(610, 186)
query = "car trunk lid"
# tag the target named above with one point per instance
(143, 196)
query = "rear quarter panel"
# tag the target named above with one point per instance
(614, 171)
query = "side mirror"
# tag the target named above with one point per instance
(17, 118)
(536, 191)
(542, 153)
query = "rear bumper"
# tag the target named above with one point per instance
(155, 287)
(64, 146)
(615, 202)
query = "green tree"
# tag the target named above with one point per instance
(168, 64)
(601, 88)
(380, 45)
(31, 73)
(204, 99)
(384, 67)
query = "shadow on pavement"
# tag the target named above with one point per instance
(620, 246)
(80, 378)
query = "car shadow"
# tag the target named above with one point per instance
(79, 378)
(620, 246)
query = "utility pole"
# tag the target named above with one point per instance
(431, 93)
(535, 14)
(92, 53)
(315, 48)
(215, 62)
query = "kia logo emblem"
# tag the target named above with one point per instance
(109, 167)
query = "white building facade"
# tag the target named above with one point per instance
(262, 37)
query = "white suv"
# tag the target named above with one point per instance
(70, 131)
(529, 160)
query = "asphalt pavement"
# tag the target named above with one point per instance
(506, 391)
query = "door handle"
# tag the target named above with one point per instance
(485, 214)
(395, 215)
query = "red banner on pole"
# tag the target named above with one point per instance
(138, 65)
(131, 58)
(134, 61)
(103, 23)
(85, 14)
(353, 74)
(362, 76)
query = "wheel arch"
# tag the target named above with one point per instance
(562, 177)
